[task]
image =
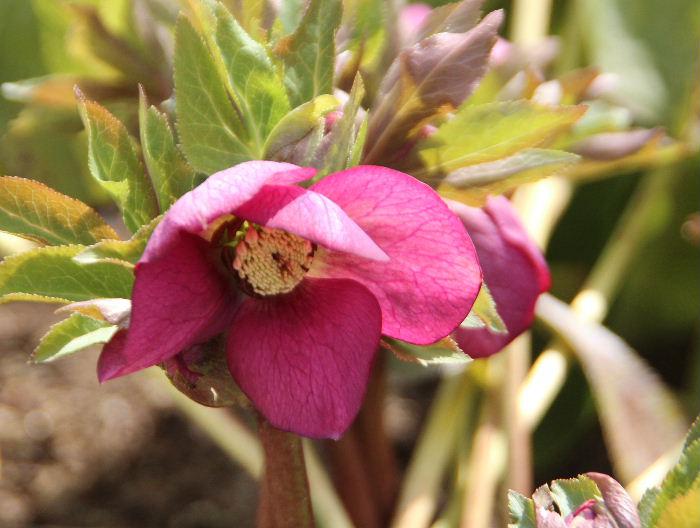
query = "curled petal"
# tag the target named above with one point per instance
(304, 358)
(514, 270)
(429, 284)
(177, 301)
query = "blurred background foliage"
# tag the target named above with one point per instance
(652, 47)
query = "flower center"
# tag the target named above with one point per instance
(271, 261)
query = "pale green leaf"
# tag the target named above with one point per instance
(259, 91)
(115, 163)
(309, 54)
(489, 132)
(486, 311)
(521, 510)
(445, 351)
(51, 274)
(170, 173)
(640, 416)
(298, 123)
(75, 333)
(129, 251)
(32, 210)
(210, 129)
(569, 494)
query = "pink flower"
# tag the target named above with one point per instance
(304, 288)
(514, 270)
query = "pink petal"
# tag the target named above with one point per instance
(219, 195)
(178, 300)
(433, 277)
(514, 270)
(312, 216)
(304, 358)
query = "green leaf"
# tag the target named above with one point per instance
(32, 210)
(115, 163)
(485, 310)
(50, 274)
(210, 130)
(170, 173)
(445, 351)
(343, 136)
(640, 416)
(298, 123)
(569, 494)
(521, 510)
(71, 335)
(489, 132)
(309, 54)
(259, 91)
(129, 251)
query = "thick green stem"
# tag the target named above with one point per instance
(285, 501)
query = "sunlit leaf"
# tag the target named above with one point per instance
(129, 251)
(51, 274)
(258, 90)
(32, 210)
(569, 494)
(489, 132)
(445, 351)
(115, 163)
(457, 17)
(486, 311)
(112, 311)
(521, 511)
(170, 173)
(309, 54)
(641, 418)
(438, 72)
(75, 333)
(210, 130)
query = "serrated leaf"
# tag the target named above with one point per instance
(309, 54)
(51, 274)
(258, 90)
(640, 417)
(129, 251)
(210, 130)
(298, 123)
(437, 73)
(115, 164)
(75, 333)
(445, 351)
(489, 132)
(32, 210)
(486, 311)
(521, 510)
(111, 311)
(343, 136)
(170, 173)
(569, 494)
(682, 511)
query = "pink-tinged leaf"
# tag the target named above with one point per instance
(617, 501)
(452, 18)
(430, 282)
(112, 311)
(513, 267)
(439, 71)
(641, 418)
(614, 145)
(304, 359)
(178, 300)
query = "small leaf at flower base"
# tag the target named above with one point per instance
(485, 311)
(309, 54)
(445, 351)
(75, 333)
(436, 74)
(114, 162)
(113, 311)
(617, 501)
(258, 89)
(212, 134)
(489, 132)
(129, 251)
(521, 511)
(343, 136)
(50, 274)
(32, 210)
(298, 123)
(170, 173)
(640, 416)
(569, 494)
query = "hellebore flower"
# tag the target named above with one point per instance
(303, 282)
(514, 270)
